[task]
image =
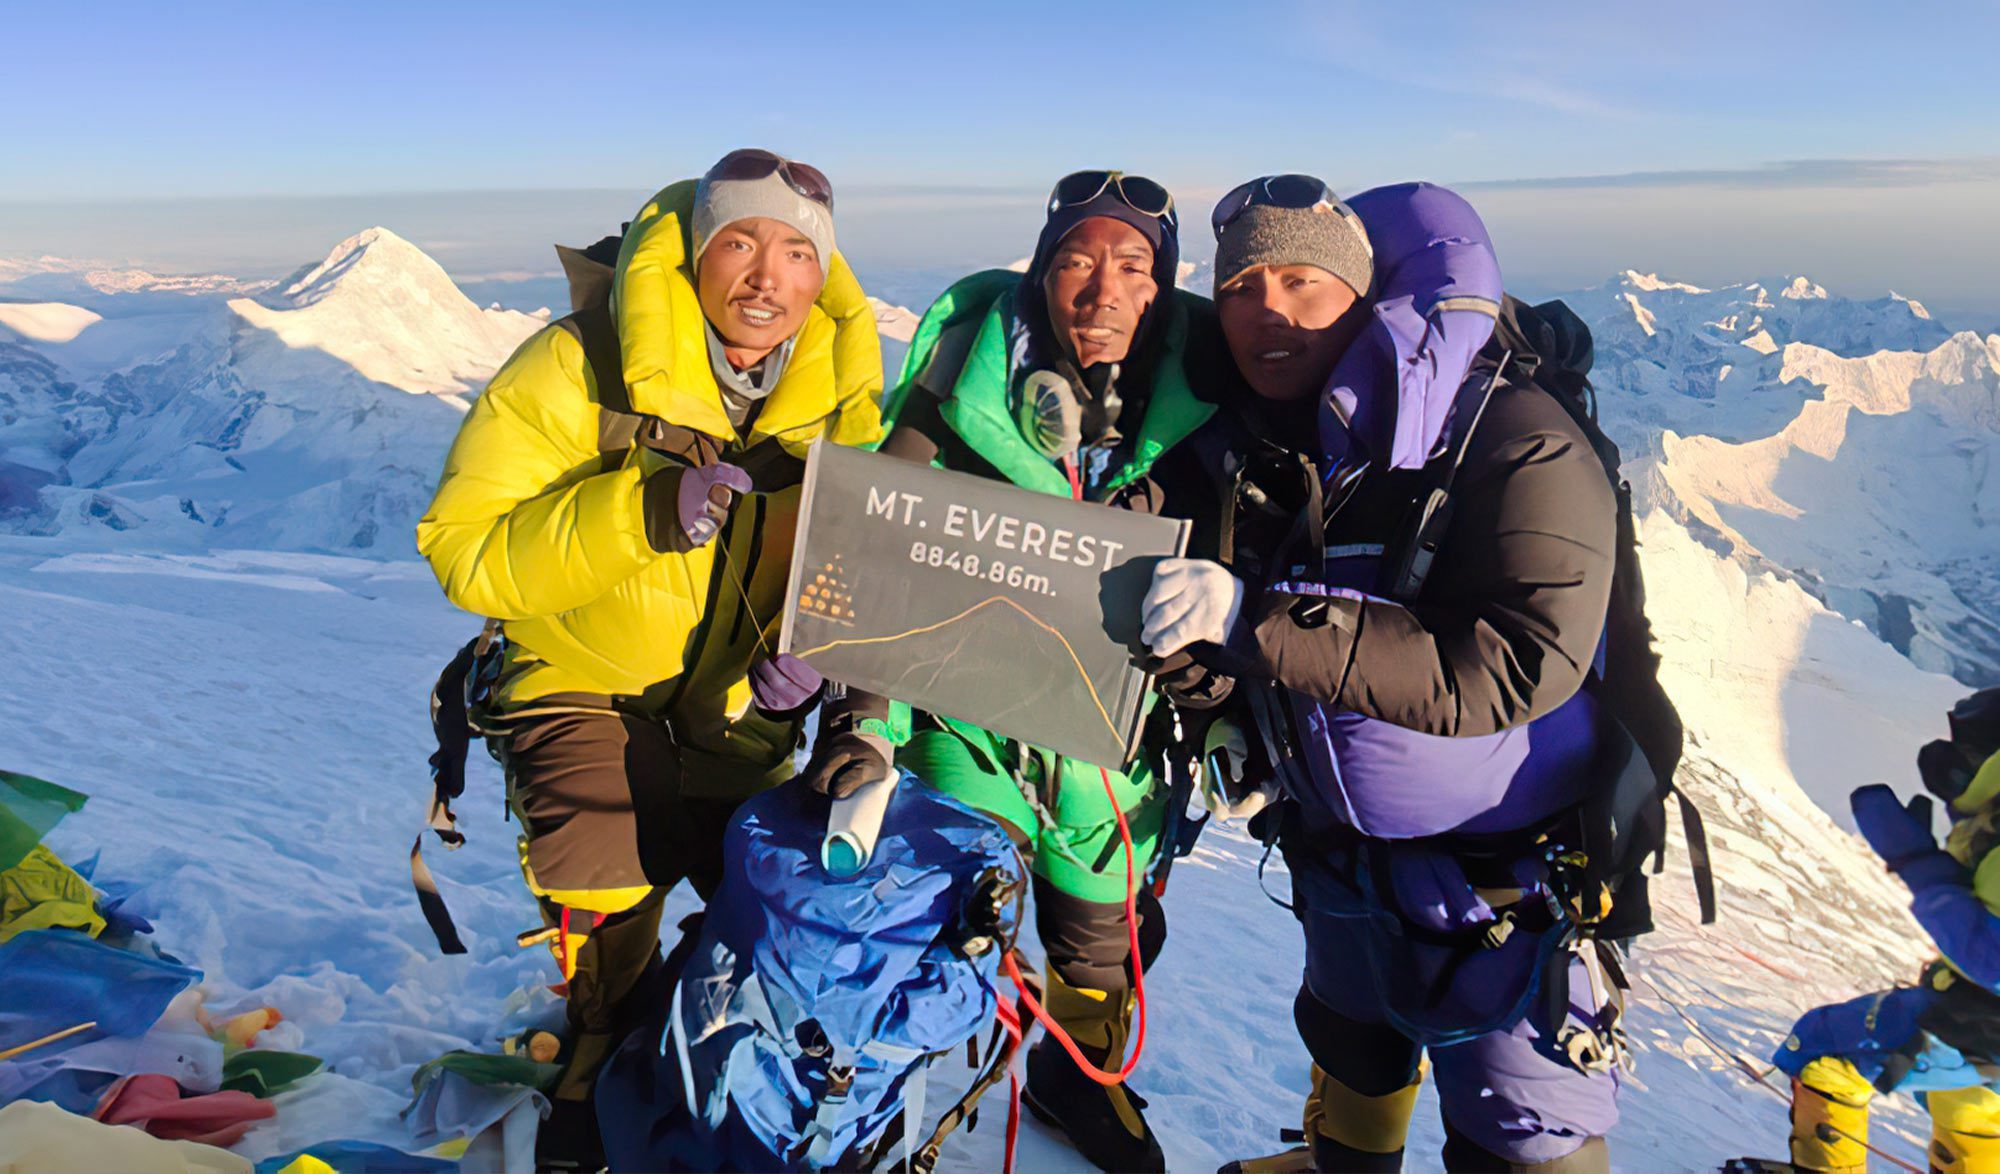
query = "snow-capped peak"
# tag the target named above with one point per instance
(1802, 289)
(1654, 283)
(1642, 315)
(380, 304)
(136, 281)
(73, 276)
(1916, 307)
(376, 258)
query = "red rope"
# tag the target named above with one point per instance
(1108, 1079)
(1010, 1019)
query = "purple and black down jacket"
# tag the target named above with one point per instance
(1461, 710)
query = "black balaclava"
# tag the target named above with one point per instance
(1113, 394)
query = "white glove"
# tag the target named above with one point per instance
(1191, 600)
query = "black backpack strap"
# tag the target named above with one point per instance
(618, 426)
(770, 465)
(1417, 550)
(1699, 861)
(1308, 527)
(452, 726)
(594, 330)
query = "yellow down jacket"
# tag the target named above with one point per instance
(534, 526)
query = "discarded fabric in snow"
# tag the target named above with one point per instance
(43, 1139)
(29, 807)
(508, 1144)
(56, 979)
(41, 892)
(155, 1104)
(353, 1157)
(487, 1068)
(265, 1074)
(76, 1077)
(474, 1095)
(242, 1030)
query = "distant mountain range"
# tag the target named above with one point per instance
(1845, 445)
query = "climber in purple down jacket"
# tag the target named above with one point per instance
(1427, 726)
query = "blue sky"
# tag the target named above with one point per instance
(1745, 133)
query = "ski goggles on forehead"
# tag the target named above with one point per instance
(1298, 192)
(755, 163)
(1136, 192)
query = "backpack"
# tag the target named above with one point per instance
(1624, 820)
(808, 1006)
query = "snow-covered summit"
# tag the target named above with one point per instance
(1839, 443)
(133, 281)
(1691, 360)
(1654, 283)
(385, 307)
(1916, 307)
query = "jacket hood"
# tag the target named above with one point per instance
(1437, 295)
(961, 354)
(1033, 304)
(837, 359)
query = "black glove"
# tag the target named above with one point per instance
(1188, 683)
(990, 914)
(844, 762)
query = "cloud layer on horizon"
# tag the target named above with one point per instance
(1920, 226)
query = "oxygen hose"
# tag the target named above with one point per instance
(1108, 1079)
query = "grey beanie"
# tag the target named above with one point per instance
(720, 203)
(1332, 238)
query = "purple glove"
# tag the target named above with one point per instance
(705, 497)
(783, 684)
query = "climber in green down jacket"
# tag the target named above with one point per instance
(1071, 379)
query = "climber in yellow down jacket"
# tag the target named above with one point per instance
(622, 499)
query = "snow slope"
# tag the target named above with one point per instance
(256, 762)
(46, 321)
